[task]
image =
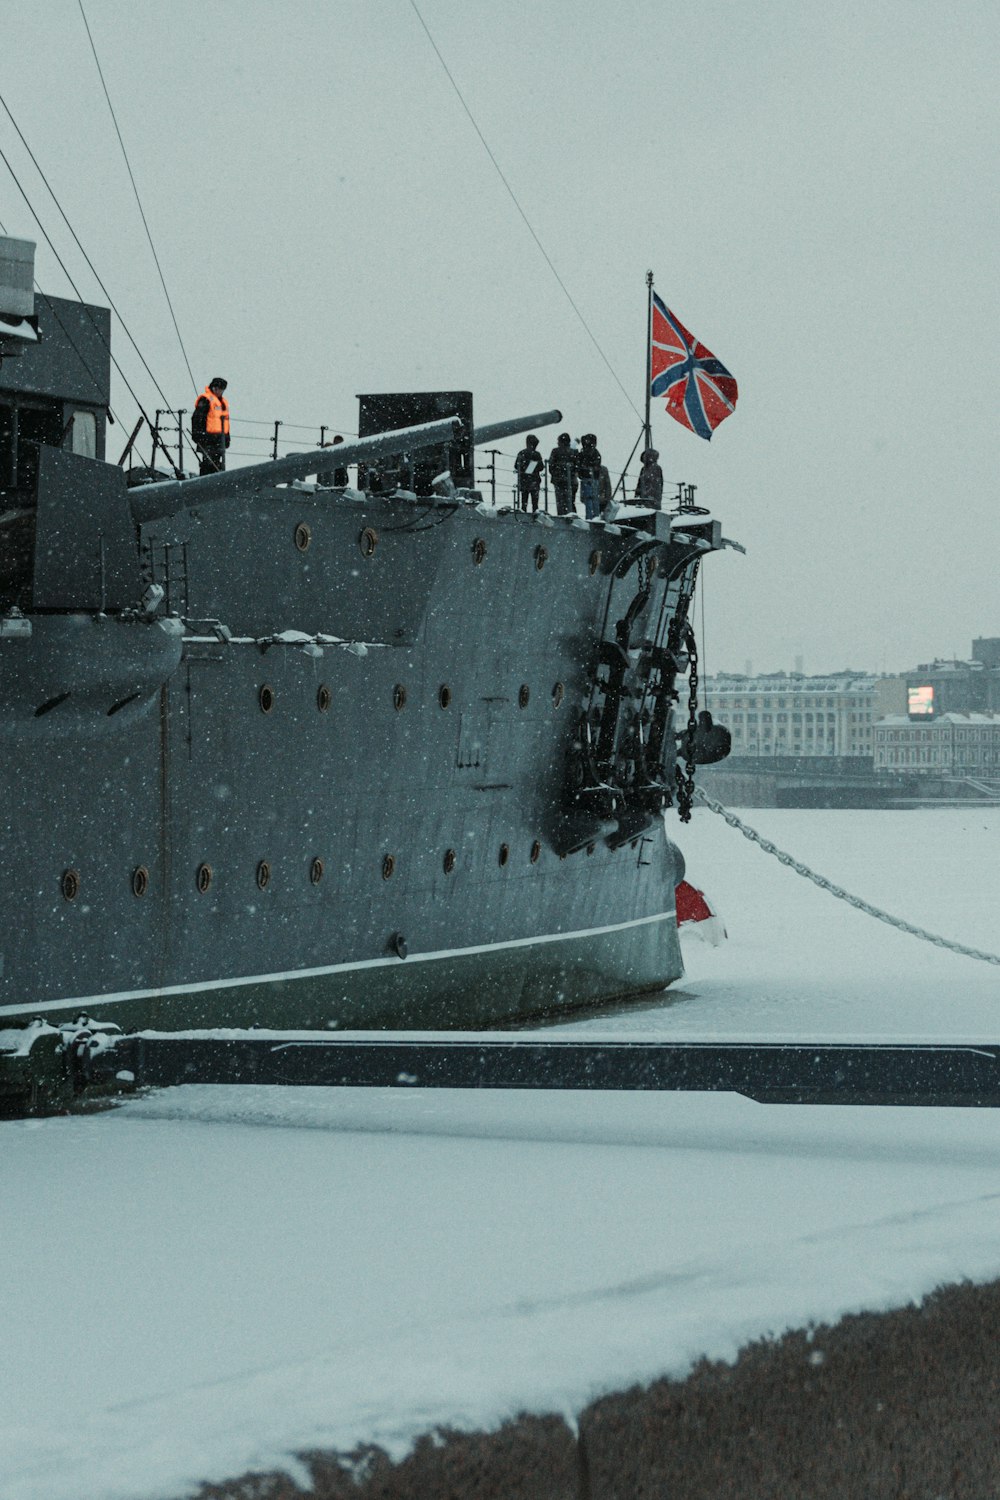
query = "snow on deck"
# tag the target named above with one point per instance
(202, 1281)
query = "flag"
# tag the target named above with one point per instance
(700, 391)
(696, 914)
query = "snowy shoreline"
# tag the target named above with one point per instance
(207, 1280)
(873, 1404)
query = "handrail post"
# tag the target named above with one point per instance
(493, 454)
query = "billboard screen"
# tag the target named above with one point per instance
(920, 702)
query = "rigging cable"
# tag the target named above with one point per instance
(524, 216)
(62, 264)
(70, 341)
(86, 309)
(86, 257)
(135, 190)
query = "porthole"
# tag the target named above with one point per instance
(203, 878)
(541, 558)
(50, 704)
(536, 852)
(595, 560)
(444, 695)
(303, 536)
(140, 880)
(70, 884)
(558, 694)
(478, 550)
(323, 698)
(504, 854)
(388, 866)
(266, 698)
(524, 693)
(368, 541)
(399, 697)
(263, 875)
(450, 860)
(316, 871)
(116, 708)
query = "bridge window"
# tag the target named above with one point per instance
(83, 438)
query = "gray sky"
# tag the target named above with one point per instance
(814, 187)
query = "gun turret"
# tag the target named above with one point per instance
(388, 411)
(151, 501)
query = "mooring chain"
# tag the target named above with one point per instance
(836, 890)
(685, 778)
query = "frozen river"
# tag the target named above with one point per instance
(201, 1282)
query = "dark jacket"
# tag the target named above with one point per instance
(649, 490)
(588, 462)
(528, 466)
(562, 464)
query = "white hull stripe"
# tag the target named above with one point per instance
(201, 986)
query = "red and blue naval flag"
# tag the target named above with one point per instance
(699, 390)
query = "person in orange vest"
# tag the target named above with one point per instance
(210, 426)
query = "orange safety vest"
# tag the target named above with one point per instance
(217, 416)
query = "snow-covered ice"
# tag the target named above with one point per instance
(207, 1279)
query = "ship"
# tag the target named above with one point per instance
(280, 752)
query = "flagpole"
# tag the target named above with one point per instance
(649, 354)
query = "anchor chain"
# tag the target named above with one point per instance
(837, 890)
(685, 778)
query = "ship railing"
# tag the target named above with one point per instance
(255, 440)
(499, 482)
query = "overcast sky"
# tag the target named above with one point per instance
(813, 186)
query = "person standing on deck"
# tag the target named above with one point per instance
(341, 478)
(562, 472)
(589, 469)
(649, 490)
(605, 491)
(210, 426)
(528, 466)
(337, 478)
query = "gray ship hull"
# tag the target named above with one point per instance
(326, 785)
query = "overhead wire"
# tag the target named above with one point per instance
(527, 222)
(70, 341)
(297, 426)
(138, 200)
(69, 278)
(509, 189)
(83, 252)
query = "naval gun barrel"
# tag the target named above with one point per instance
(151, 501)
(497, 430)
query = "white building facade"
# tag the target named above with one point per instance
(790, 714)
(946, 745)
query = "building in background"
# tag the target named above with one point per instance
(946, 744)
(787, 714)
(943, 687)
(851, 739)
